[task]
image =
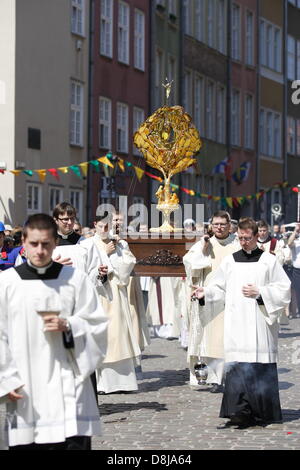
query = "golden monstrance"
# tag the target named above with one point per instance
(168, 141)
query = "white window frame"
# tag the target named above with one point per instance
(187, 16)
(76, 113)
(291, 58)
(298, 137)
(122, 127)
(187, 90)
(199, 20)
(236, 32)
(210, 110)
(138, 117)
(123, 32)
(36, 196)
(221, 114)
(77, 17)
(199, 102)
(76, 199)
(235, 118)
(249, 43)
(139, 39)
(270, 132)
(211, 21)
(172, 7)
(106, 28)
(172, 67)
(270, 45)
(291, 135)
(159, 76)
(105, 107)
(249, 122)
(57, 197)
(221, 26)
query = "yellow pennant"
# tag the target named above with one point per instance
(64, 169)
(229, 201)
(139, 173)
(216, 198)
(15, 172)
(106, 161)
(121, 164)
(84, 168)
(42, 174)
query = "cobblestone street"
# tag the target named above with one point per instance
(167, 414)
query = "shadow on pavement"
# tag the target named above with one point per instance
(288, 335)
(285, 385)
(166, 378)
(153, 356)
(110, 408)
(290, 415)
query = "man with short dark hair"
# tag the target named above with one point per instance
(52, 338)
(206, 341)
(255, 289)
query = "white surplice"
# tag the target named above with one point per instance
(117, 372)
(59, 401)
(250, 329)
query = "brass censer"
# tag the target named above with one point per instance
(168, 141)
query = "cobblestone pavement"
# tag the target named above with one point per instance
(167, 414)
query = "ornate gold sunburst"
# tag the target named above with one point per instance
(168, 141)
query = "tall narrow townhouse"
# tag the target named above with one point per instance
(271, 161)
(43, 105)
(243, 103)
(119, 99)
(292, 174)
(205, 94)
(166, 52)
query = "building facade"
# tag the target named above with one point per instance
(119, 98)
(43, 112)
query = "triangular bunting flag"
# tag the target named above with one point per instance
(54, 173)
(139, 172)
(106, 161)
(121, 164)
(42, 175)
(229, 201)
(64, 169)
(28, 172)
(15, 172)
(84, 168)
(76, 170)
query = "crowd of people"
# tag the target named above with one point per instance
(74, 320)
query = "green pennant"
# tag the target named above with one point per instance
(76, 170)
(28, 172)
(96, 165)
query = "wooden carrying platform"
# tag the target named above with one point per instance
(160, 254)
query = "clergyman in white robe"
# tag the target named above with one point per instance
(58, 399)
(250, 332)
(117, 373)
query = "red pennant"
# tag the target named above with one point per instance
(295, 189)
(54, 173)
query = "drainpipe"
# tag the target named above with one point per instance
(229, 87)
(258, 92)
(285, 103)
(89, 200)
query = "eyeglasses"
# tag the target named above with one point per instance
(246, 239)
(66, 219)
(219, 225)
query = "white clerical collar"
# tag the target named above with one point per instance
(250, 251)
(263, 240)
(65, 237)
(41, 270)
